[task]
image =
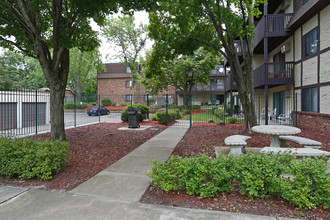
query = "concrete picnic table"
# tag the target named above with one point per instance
(275, 131)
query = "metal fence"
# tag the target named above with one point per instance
(24, 112)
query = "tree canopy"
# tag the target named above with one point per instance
(47, 29)
(182, 26)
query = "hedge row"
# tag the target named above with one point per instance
(144, 112)
(28, 159)
(160, 115)
(303, 182)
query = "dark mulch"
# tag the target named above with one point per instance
(92, 149)
(202, 139)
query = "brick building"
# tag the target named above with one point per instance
(115, 83)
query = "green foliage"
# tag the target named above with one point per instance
(310, 183)
(196, 107)
(304, 182)
(219, 113)
(232, 120)
(114, 104)
(221, 122)
(28, 159)
(171, 115)
(198, 175)
(144, 112)
(106, 102)
(122, 104)
(71, 105)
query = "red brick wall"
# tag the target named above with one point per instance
(311, 120)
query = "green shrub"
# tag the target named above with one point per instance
(303, 182)
(154, 117)
(221, 122)
(114, 104)
(28, 159)
(196, 107)
(219, 113)
(232, 120)
(309, 185)
(71, 105)
(198, 175)
(106, 102)
(161, 116)
(144, 112)
(210, 120)
(122, 104)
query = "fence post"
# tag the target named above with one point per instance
(36, 111)
(190, 102)
(296, 108)
(166, 103)
(225, 108)
(99, 109)
(74, 109)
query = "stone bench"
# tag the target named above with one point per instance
(236, 144)
(298, 152)
(307, 143)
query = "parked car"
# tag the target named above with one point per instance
(96, 110)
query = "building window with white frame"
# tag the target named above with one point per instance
(128, 84)
(310, 42)
(128, 98)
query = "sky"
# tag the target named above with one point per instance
(108, 50)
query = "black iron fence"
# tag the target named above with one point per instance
(24, 112)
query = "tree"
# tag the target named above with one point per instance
(131, 40)
(185, 25)
(46, 30)
(21, 71)
(84, 67)
(182, 72)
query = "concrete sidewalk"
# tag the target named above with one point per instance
(111, 194)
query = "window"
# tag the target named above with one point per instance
(309, 100)
(217, 84)
(128, 84)
(128, 98)
(310, 42)
(304, 1)
(128, 70)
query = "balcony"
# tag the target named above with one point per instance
(277, 73)
(273, 25)
(230, 84)
(208, 88)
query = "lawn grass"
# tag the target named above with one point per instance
(207, 116)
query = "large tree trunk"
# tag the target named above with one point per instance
(57, 93)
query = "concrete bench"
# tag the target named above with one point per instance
(307, 143)
(236, 144)
(298, 152)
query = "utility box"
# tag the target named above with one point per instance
(133, 113)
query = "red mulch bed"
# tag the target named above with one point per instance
(201, 138)
(92, 149)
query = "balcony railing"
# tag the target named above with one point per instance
(277, 73)
(208, 88)
(273, 25)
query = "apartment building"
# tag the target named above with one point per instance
(115, 83)
(292, 61)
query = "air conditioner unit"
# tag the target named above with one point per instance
(285, 48)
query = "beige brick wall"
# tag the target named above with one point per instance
(310, 71)
(297, 74)
(297, 39)
(310, 25)
(288, 55)
(325, 67)
(325, 99)
(325, 28)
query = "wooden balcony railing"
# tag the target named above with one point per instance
(273, 25)
(277, 73)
